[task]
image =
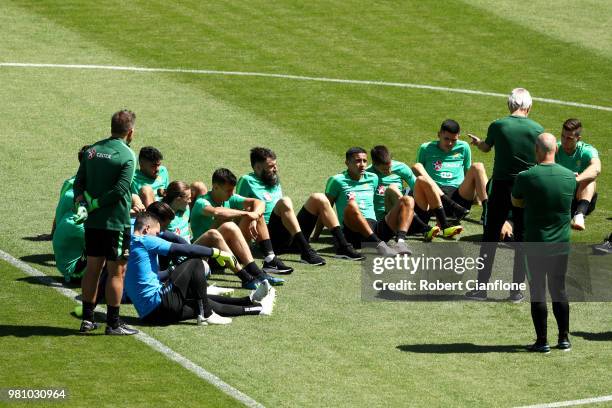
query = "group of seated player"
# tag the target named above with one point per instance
(380, 203)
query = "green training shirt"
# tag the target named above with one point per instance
(161, 181)
(200, 222)
(180, 224)
(445, 168)
(547, 191)
(251, 186)
(579, 160)
(343, 188)
(400, 172)
(106, 173)
(514, 140)
(68, 238)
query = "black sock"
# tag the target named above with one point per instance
(456, 208)
(266, 247)
(88, 311)
(582, 207)
(373, 238)
(244, 276)
(561, 312)
(112, 316)
(420, 225)
(301, 242)
(339, 236)
(401, 235)
(539, 314)
(253, 270)
(441, 217)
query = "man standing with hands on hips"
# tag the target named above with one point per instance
(103, 200)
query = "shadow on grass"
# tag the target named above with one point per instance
(459, 348)
(402, 297)
(47, 280)
(40, 259)
(38, 238)
(603, 336)
(471, 238)
(7, 330)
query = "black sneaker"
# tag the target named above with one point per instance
(564, 344)
(515, 297)
(276, 266)
(603, 249)
(87, 326)
(476, 295)
(539, 348)
(348, 252)
(121, 330)
(312, 258)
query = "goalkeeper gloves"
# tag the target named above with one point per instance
(224, 258)
(92, 203)
(81, 213)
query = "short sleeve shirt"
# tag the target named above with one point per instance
(200, 222)
(180, 224)
(400, 173)
(343, 189)
(251, 186)
(446, 168)
(579, 160)
(160, 182)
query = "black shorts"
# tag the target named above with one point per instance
(453, 194)
(112, 245)
(591, 204)
(282, 240)
(380, 228)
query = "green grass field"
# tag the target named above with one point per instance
(323, 346)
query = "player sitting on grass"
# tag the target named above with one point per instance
(288, 232)
(221, 204)
(391, 174)
(183, 296)
(353, 193)
(448, 162)
(151, 179)
(583, 160)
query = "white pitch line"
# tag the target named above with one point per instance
(299, 78)
(145, 338)
(594, 400)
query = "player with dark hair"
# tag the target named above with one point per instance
(289, 232)
(583, 160)
(103, 200)
(353, 193)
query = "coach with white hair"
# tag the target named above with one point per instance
(514, 139)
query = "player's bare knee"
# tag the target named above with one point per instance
(284, 204)
(406, 201)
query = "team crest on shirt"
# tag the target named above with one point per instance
(437, 165)
(350, 195)
(91, 154)
(381, 190)
(267, 196)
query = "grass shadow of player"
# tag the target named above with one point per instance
(402, 297)
(54, 281)
(7, 330)
(471, 238)
(38, 238)
(40, 259)
(603, 336)
(460, 348)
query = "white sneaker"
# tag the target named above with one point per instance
(267, 303)
(215, 290)
(261, 292)
(578, 222)
(213, 319)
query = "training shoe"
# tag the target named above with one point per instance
(121, 330)
(515, 297)
(402, 248)
(539, 348)
(311, 257)
(252, 284)
(564, 344)
(476, 294)
(213, 319)
(603, 249)
(451, 231)
(431, 234)
(385, 250)
(272, 280)
(348, 252)
(261, 292)
(87, 326)
(267, 303)
(578, 222)
(215, 290)
(276, 266)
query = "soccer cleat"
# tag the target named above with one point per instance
(311, 257)
(564, 344)
(603, 249)
(87, 326)
(476, 294)
(121, 330)
(276, 266)
(451, 231)
(252, 284)
(385, 250)
(539, 348)
(516, 297)
(578, 222)
(213, 319)
(348, 252)
(431, 234)
(261, 291)
(215, 290)
(402, 248)
(267, 303)
(272, 280)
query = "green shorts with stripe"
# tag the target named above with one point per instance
(112, 245)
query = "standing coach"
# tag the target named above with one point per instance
(514, 140)
(103, 200)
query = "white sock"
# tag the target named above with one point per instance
(269, 257)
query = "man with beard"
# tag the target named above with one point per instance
(289, 232)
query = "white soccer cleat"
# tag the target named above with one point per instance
(261, 292)
(216, 319)
(578, 222)
(201, 321)
(267, 303)
(215, 290)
